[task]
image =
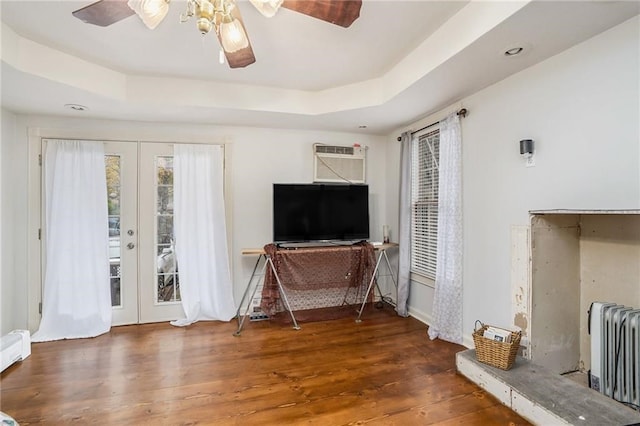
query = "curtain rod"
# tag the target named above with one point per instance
(462, 113)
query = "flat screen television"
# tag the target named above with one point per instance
(320, 212)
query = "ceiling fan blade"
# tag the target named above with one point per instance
(339, 12)
(243, 57)
(104, 12)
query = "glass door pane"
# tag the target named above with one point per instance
(159, 277)
(168, 283)
(121, 168)
(112, 164)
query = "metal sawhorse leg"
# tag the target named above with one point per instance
(382, 253)
(267, 261)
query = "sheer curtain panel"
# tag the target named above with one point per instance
(404, 237)
(447, 302)
(76, 299)
(200, 231)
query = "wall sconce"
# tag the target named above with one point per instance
(526, 150)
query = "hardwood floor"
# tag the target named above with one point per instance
(384, 370)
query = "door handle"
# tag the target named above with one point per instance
(130, 246)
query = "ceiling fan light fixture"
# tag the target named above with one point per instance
(151, 12)
(267, 8)
(205, 9)
(222, 17)
(232, 35)
(204, 25)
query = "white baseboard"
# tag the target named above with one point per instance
(423, 317)
(467, 341)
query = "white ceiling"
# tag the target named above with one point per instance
(399, 61)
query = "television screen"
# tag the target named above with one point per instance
(320, 212)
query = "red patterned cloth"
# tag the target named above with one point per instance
(318, 277)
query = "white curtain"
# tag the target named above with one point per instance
(447, 302)
(404, 236)
(77, 300)
(200, 231)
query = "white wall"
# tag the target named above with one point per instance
(262, 156)
(258, 157)
(6, 291)
(11, 284)
(581, 109)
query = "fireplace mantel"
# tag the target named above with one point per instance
(580, 211)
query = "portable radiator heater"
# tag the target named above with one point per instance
(615, 351)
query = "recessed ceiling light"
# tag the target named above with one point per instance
(76, 107)
(513, 51)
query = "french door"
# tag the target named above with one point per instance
(145, 285)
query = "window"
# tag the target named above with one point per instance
(424, 203)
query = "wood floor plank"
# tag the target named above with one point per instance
(384, 370)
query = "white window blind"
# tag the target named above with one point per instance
(424, 202)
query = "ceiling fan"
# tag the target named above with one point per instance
(222, 16)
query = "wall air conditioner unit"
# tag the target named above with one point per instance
(346, 164)
(15, 346)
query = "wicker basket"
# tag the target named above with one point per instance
(497, 354)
